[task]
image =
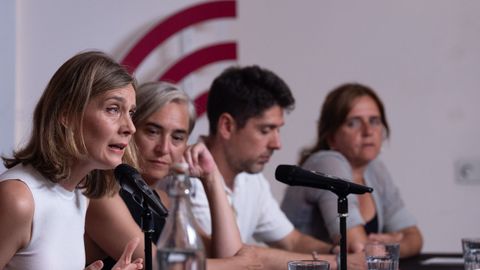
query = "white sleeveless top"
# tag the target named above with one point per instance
(58, 224)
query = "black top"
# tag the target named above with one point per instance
(136, 210)
(372, 225)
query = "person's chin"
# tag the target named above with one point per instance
(257, 168)
(109, 165)
(368, 157)
(372, 154)
(155, 173)
(160, 166)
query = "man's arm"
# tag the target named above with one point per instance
(277, 259)
(225, 238)
(245, 258)
(298, 242)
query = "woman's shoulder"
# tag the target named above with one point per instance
(377, 171)
(325, 155)
(325, 159)
(16, 210)
(16, 198)
(16, 217)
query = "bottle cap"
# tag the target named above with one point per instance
(180, 167)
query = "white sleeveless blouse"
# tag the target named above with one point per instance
(58, 224)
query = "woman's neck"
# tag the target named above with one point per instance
(77, 174)
(357, 173)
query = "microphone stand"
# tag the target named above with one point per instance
(288, 173)
(147, 225)
(342, 209)
(131, 181)
(343, 214)
(342, 206)
(148, 229)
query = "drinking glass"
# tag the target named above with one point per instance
(471, 253)
(382, 256)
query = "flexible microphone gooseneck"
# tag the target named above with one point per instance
(132, 182)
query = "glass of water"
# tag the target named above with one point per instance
(382, 256)
(308, 265)
(471, 253)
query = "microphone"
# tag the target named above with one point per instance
(132, 182)
(296, 176)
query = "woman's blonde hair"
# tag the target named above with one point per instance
(152, 96)
(56, 140)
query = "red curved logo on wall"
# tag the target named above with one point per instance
(187, 64)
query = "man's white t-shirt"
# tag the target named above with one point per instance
(258, 214)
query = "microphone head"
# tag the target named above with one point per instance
(284, 173)
(122, 171)
(131, 181)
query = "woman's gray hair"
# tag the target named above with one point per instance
(152, 96)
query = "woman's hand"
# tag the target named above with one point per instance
(96, 265)
(125, 261)
(200, 161)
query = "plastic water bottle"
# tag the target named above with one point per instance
(180, 246)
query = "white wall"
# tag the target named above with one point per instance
(422, 57)
(7, 76)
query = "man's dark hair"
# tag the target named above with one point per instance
(244, 93)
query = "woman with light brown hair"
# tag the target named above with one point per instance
(81, 128)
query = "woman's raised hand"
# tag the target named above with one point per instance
(125, 261)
